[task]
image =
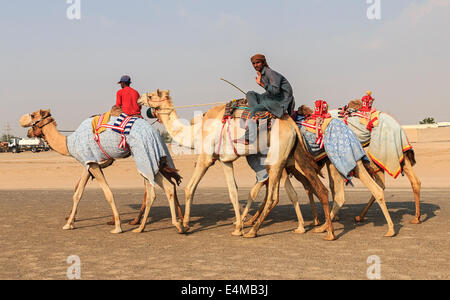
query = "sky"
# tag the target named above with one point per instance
(327, 49)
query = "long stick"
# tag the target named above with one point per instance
(234, 86)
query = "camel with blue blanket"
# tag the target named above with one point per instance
(333, 144)
(386, 143)
(100, 140)
(213, 139)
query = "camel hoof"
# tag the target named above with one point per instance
(237, 233)
(315, 222)
(138, 230)
(359, 219)
(135, 222)
(390, 233)
(68, 227)
(250, 235)
(186, 227)
(330, 237)
(249, 223)
(180, 228)
(116, 231)
(320, 229)
(299, 230)
(415, 221)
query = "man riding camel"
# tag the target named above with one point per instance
(127, 98)
(278, 98)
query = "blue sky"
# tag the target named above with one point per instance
(326, 48)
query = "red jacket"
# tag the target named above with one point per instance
(127, 99)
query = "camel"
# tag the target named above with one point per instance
(202, 137)
(407, 167)
(43, 125)
(362, 171)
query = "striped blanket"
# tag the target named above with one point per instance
(145, 144)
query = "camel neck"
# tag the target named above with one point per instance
(182, 134)
(55, 139)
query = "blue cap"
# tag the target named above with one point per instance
(125, 79)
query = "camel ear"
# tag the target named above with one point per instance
(158, 93)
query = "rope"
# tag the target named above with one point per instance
(198, 105)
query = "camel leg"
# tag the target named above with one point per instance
(203, 163)
(232, 190)
(293, 197)
(337, 186)
(377, 192)
(137, 220)
(98, 174)
(415, 184)
(150, 193)
(253, 194)
(170, 190)
(380, 178)
(76, 199)
(272, 200)
(309, 190)
(320, 191)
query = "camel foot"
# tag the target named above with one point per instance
(116, 231)
(320, 229)
(415, 221)
(249, 223)
(390, 233)
(237, 233)
(135, 222)
(138, 230)
(330, 237)
(315, 222)
(359, 219)
(186, 227)
(68, 227)
(180, 228)
(250, 235)
(299, 230)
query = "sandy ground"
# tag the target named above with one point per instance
(36, 191)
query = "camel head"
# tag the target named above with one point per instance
(305, 111)
(159, 101)
(36, 121)
(355, 104)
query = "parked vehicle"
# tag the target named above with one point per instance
(17, 145)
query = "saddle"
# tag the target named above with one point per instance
(239, 109)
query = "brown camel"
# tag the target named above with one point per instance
(337, 185)
(203, 138)
(43, 125)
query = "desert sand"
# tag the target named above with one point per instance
(36, 195)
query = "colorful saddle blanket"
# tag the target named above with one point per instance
(338, 143)
(240, 109)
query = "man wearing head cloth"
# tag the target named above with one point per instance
(278, 98)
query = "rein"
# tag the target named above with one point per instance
(37, 127)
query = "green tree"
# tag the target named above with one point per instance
(428, 120)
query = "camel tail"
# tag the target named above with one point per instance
(169, 173)
(411, 156)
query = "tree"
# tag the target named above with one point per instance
(428, 120)
(6, 138)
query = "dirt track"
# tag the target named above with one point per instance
(34, 246)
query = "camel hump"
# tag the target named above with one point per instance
(116, 111)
